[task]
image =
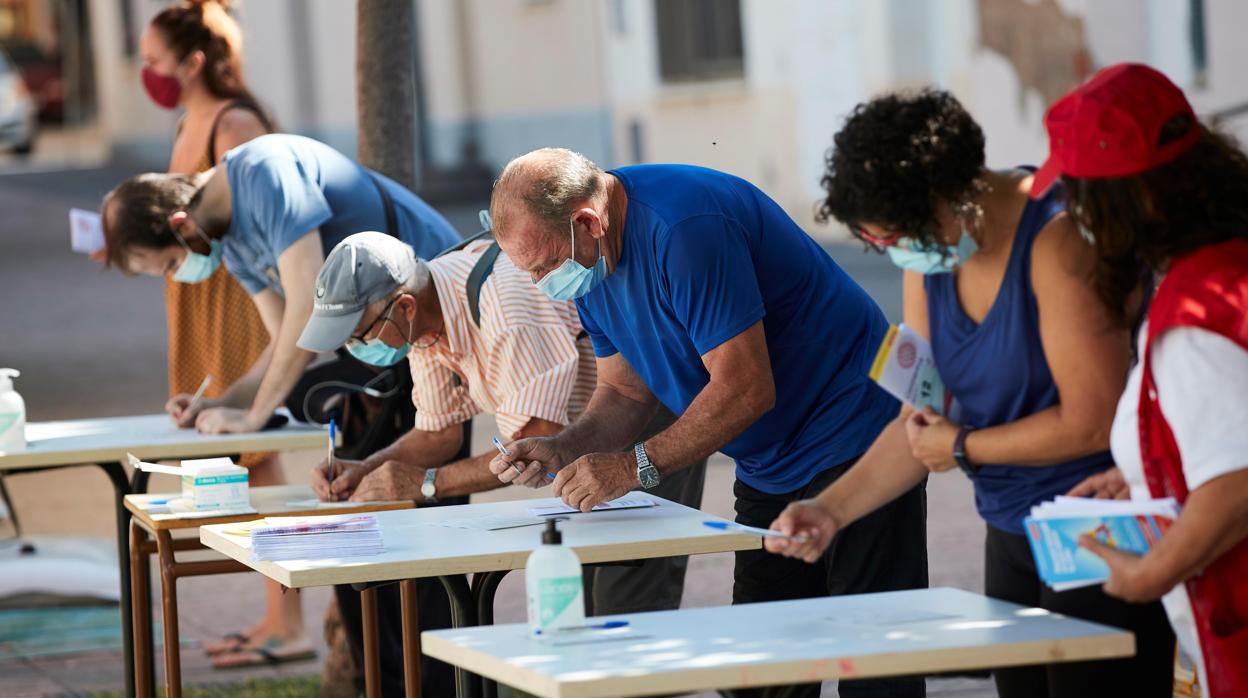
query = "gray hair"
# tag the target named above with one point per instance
(550, 182)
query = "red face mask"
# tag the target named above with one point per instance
(165, 90)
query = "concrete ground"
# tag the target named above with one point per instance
(91, 343)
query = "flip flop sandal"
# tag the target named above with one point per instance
(237, 641)
(261, 656)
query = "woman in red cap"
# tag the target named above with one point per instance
(1165, 201)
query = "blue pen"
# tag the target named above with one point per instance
(609, 625)
(333, 436)
(503, 450)
(764, 532)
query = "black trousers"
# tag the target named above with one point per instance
(1010, 575)
(433, 613)
(884, 551)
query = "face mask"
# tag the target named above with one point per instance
(165, 90)
(376, 352)
(571, 280)
(198, 267)
(940, 259)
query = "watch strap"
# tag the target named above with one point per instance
(959, 451)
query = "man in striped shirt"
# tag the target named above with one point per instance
(524, 358)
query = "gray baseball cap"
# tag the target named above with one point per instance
(361, 270)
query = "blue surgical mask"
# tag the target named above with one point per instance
(571, 280)
(376, 352)
(927, 259)
(198, 267)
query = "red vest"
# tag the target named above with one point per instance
(1208, 289)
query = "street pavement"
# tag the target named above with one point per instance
(91, 342)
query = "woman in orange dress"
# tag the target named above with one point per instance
(192, 59)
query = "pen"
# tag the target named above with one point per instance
(609, 625)
(503, 450)
(333, 436)
(199, 394)
(764, 532)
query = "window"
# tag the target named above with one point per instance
(699, 39)
(1200, 45)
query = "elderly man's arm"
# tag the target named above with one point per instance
(740, 390)
(399, 471)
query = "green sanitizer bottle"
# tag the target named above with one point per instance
(553, 581)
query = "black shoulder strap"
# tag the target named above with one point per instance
(392, 220)
(216, 122)
(476, 280)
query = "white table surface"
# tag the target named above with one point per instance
(416, 547)
(152, 437)
(700, 649)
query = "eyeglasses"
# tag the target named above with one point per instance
(876, 243)
(384, 316)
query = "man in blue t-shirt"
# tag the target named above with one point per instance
(699, 292)
(270, 212)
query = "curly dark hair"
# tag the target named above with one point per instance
(897, 158)
(144, 204)
(1141, 222)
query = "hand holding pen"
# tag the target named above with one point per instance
(508, 467)
(184, 414)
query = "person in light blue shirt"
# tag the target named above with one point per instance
(270, 211)
(700, 293)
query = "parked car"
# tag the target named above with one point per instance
(18, 112)
(42, 73)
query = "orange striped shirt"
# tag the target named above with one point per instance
(525, 360)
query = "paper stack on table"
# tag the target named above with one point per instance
(315, 537)
(1054, 528)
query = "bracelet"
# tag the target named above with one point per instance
(959, 452)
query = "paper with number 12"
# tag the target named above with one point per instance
(905, 367)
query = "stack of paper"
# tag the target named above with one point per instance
(316, 537)
(1054, 528)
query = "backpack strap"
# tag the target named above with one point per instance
(476, 279)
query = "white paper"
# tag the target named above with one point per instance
(490, 523)
(318, 504)
(86, 231)
(621, 503)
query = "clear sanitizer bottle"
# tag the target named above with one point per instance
(553, 581)
(12, 413)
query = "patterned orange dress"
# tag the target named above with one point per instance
(214, 327)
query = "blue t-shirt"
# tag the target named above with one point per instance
(283, 187)
(707, 255)
(998, 372)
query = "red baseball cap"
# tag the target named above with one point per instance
(1109, 126)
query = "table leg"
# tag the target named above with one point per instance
(411, 638)
(463, 615)
(121, 487)
(484, 586)
(141, 619)
(169, 609)
(372, 666)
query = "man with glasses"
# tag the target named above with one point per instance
(270, 212)
(479, 337)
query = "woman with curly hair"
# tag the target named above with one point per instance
(1000, 285)
(1165, 200)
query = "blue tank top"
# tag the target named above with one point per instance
(997, 370)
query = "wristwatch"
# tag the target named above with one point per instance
(959, 452)
(647, 474)
(430, 488)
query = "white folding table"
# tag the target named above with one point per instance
(105, 442)
(777, 643)
(418, 547)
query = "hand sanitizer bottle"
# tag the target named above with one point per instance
(12, 413)
(553, 582)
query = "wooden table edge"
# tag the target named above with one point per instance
(175, 524)
(488, 562)
(1108, 645)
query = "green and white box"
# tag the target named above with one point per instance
(214, 483)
